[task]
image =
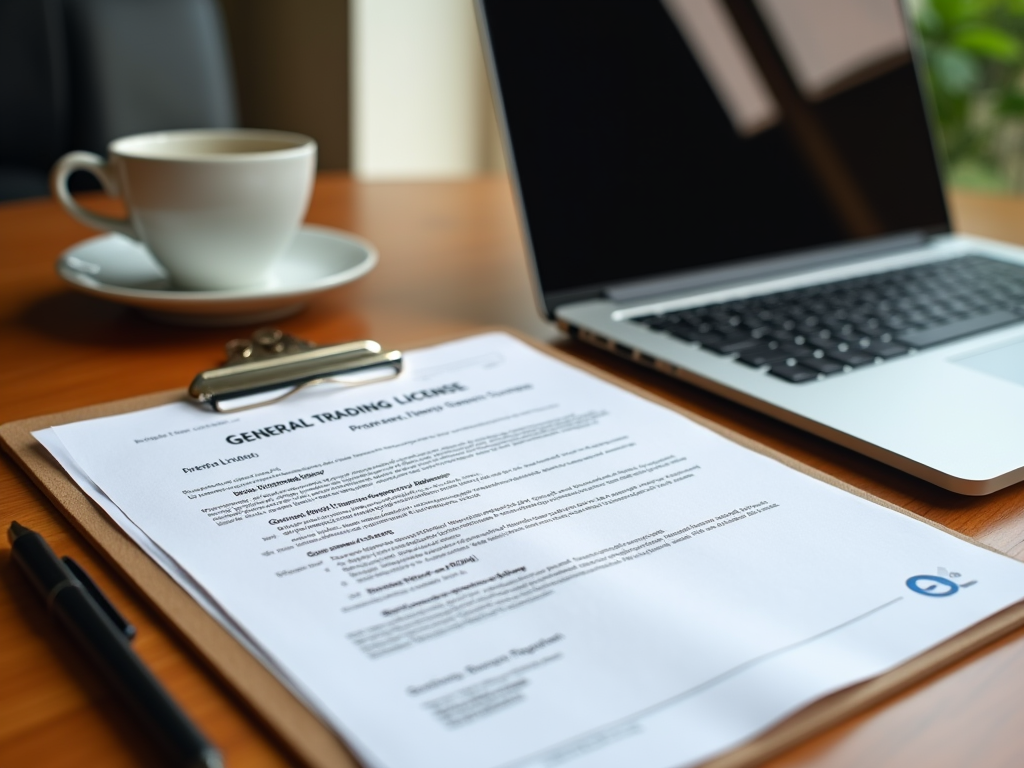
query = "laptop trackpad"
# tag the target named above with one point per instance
(1006, 362)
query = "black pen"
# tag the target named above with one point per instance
(104, 635)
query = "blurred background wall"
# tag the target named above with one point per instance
(397, 89)
(291, 60)
(390, 89)
(420, 103)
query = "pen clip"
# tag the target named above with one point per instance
(127, 629)
(277, 364)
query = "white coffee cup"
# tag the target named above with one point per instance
(216, 207)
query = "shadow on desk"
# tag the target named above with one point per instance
(73, 317)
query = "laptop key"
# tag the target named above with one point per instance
(886, 350)
(760, 355)
(821, 365)
(794, 373)
(691, 334)
(852, 358)
(828, 345)
(766, 354)
(730, 345)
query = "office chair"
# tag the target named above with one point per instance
(93, 70)
(34, 98)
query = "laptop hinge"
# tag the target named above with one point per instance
(763, 268)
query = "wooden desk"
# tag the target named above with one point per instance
(451, 261)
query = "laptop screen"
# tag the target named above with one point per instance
(653, 136)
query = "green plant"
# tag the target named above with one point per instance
(974, 51)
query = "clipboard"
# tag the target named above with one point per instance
(311, 739)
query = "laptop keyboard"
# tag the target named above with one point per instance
(810, 333)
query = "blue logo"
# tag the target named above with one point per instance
(933, 586)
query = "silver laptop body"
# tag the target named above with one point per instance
(676, 154)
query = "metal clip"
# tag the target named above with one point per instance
(273, 360)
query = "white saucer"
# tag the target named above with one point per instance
(119, 269)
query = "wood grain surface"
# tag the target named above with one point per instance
(451, 262)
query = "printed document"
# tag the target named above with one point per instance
(497, 559)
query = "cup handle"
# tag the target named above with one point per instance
(92, 163)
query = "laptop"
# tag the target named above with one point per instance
(744, 194)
